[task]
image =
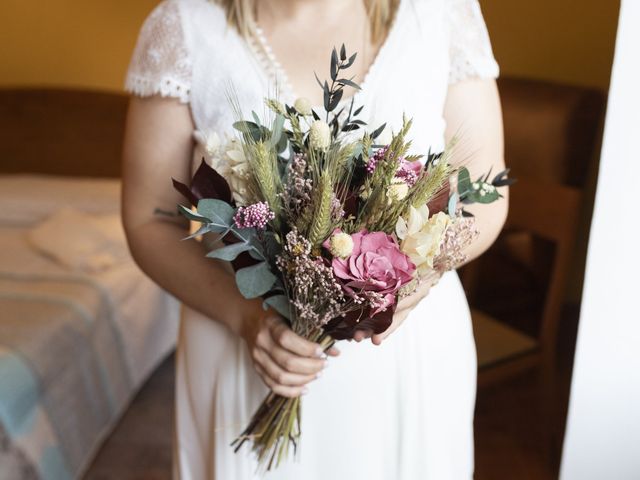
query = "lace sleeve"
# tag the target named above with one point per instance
(161, 64)
(470, 48)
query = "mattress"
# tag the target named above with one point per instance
(75, 343)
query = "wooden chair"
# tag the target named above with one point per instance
(544, 211)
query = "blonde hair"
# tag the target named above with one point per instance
(241, 15)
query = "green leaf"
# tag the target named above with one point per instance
(191, 215)
(219, 213)
(334, 64)
(255, 280)
(350, 83)
(280, 303)
(464, 182)
(276, 134)
(453, 203)
(229, 252)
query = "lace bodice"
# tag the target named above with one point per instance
(186, 50)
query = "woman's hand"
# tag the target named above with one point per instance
(286, 362)
(403, 309)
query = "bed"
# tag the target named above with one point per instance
(81, 327)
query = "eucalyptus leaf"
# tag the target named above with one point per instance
(280, 303)
(378, 131)
(255, 280)
(350, 83)
(206, 228)
(464, 182)
(334, 64)
(453, 204)
(219, 213)
(191, 215)
(278, 125)
(229, 252)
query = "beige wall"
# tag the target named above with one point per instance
(88, 43)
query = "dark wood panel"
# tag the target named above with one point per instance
(63, 132)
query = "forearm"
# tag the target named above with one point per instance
(181, 269)
(489, 221)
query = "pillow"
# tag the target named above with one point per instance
(79, 241)
(26, 200)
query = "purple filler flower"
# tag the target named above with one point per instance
(409, 172)
(256, 215)
(376, 264)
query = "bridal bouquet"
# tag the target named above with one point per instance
(327, 226)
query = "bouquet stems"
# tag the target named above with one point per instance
(275, 427)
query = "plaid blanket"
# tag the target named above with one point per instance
(64, 379)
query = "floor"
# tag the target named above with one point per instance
(510, 434)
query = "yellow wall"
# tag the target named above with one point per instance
(88, 43)
(68, 42)
(568, 41)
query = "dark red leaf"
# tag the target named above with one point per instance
(206, 183)
(345, 328)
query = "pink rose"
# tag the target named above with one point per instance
(376, 264)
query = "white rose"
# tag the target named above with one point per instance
(303, 106)
(341, 245)
(397, 191)
(421, 236)
(320, 135)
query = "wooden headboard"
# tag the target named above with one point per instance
(62, 132)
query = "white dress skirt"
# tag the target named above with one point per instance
(399, 411)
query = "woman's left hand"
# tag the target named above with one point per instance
(403, 309)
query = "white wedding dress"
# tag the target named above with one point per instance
(401, 411)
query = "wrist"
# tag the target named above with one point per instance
(249, 316)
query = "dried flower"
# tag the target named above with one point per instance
(459, 235)
(409, 172)
(303, 106)
(254, 216)
(376, 158)
(421, 236)
(320, 136)
(397, 191)
(340, 244)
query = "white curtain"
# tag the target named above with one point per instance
(603, 426)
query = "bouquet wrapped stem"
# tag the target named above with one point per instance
(275, 426)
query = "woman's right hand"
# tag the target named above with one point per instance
(285, 361)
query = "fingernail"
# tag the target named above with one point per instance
(326, 364)
(319, 374)
(305, 390)
(319, 352)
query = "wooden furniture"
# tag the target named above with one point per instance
(551, 135)
(502, 349)
(62, 132)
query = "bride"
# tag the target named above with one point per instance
(393, 406)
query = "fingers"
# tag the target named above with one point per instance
(362, 334)
(333, 352)
(285, 391)
(279, 375)
(287, 339)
